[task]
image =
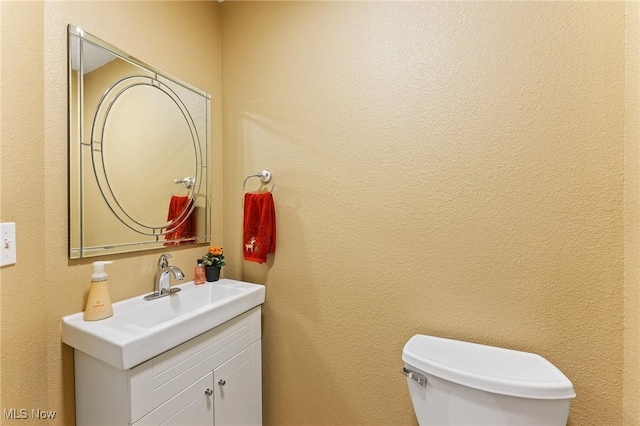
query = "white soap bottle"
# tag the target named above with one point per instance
(99, 301)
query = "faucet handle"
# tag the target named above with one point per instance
(163, 261)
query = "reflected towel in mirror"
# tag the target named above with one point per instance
(186, 231)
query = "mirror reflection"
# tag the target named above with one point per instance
(138, 148)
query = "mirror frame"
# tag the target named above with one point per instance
(151, 236)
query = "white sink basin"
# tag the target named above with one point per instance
(141, 329)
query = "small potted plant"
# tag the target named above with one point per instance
(213, 261)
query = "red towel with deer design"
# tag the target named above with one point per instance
(259, 230)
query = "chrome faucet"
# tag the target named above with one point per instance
(163, 278)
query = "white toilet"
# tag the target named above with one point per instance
(461, 383)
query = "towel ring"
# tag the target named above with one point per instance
(265, 177)
(188, 181)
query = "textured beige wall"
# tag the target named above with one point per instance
(23, 301)
(631, 390)
(179, 37)
(445, 168)
(448, 168)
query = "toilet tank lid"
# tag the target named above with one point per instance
(488, 368)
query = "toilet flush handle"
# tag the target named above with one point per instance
(417, 377)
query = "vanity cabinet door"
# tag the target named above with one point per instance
(238, 389)
(191, 407)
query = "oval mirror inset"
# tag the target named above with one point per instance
(146, 136)
(129, 152)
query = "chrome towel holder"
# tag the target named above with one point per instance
(188, 181)
(265, 177)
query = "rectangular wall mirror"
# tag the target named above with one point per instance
(139, 143)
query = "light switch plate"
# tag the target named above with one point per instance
(7, 243)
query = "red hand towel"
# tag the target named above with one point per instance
(259, 230)
(178, 209)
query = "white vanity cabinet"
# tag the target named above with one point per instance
(212, 379)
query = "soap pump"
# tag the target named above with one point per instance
(99, 301)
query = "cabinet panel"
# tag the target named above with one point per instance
(215, 355)
(191, 407)
(101, 397)
(238, 384)
(157, 380)
(170, 388)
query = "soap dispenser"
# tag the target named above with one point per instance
(199, 275)
(99, 302)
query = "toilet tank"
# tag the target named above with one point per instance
(461, 383)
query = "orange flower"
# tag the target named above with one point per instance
(214, 257)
